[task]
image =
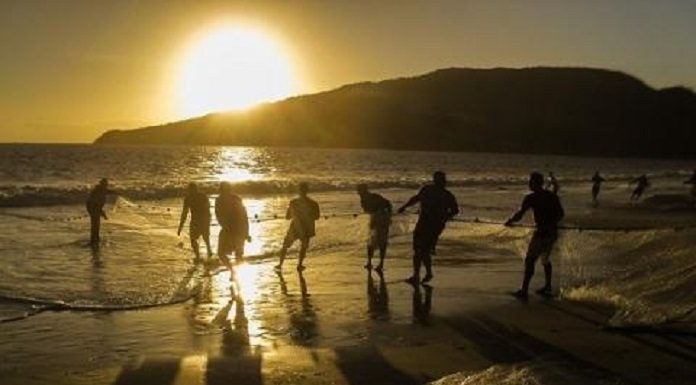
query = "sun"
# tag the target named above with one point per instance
(232, 68)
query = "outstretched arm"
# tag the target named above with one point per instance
(519, 214)
(184, 215)
(414, 199)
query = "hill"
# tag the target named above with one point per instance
(574, 111)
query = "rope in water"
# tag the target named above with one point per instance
(259, 219)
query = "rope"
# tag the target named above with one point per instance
(260, 219)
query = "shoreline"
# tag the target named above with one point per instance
(321, 328)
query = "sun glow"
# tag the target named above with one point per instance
(233, 68)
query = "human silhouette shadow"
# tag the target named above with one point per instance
(422, 303)
(301, 314)
(238, 362)
(377, 298)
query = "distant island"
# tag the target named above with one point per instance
(572, 111)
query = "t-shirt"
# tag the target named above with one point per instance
(303, 211)
(232, 215)
(97, 199)
(437, 205)
(546, 207)
(378, 207)
(199, 205)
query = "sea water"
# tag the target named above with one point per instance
(648, 274)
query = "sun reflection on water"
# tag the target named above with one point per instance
(239, 164)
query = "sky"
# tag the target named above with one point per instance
(69, 70)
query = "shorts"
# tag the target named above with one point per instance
(197, 230)
(379, 236)
(425, 236)
(292, 236)
(541, 246)
(229, 243)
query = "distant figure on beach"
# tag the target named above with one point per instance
(234, 225)
(380, 209)
(692, 182)
(198, 204)
(548, 211)
(302, 212)
(641, 184)
(437, 206)
(95, 209)
(552, 184)
(596, 186)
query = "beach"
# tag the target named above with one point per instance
(140, 311)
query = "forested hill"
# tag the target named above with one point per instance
(534, 110)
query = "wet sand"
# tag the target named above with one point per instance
(335, 324)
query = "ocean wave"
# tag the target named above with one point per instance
(646, 277)
(537, 372)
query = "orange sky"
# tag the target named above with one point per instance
(71, 69)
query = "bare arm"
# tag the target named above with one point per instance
(414, 199)
(184, 215)
(317, 212)
(520, 213)
(454, 208)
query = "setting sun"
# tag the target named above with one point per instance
(233, 68)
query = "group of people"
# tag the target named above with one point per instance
(437, 206)
(234, 223)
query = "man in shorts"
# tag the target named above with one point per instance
(380, 209)
(548, 211)
(303, 212)
(437, 206)
(234, 225)
(198, 204)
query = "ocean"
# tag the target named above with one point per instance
(637, 259)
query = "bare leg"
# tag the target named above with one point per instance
(370, 253)
(239, 253)
(194, 247)
(382, 254)
(548, 272)
(529, 263)
(416, 268)
(206, 239)
(428, 262)
(304, 245)
(282, 254)
(95, 224)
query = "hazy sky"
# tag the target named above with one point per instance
(71, 69)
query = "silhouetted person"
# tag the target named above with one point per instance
(95, 208)
(437, 206)
(641, 184)
(692, 182)
(596, 186)
(234, 225)
(303, 212)
(380, 209)
(548, 211)
(552, 184)
(198, 204)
